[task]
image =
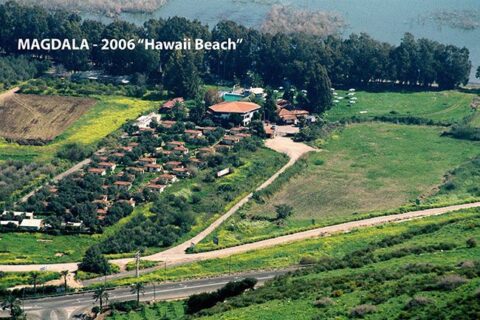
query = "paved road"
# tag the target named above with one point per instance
(66, 307)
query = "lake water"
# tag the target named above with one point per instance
(385, 20)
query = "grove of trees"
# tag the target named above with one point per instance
(298, 59)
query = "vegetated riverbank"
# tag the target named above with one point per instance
(107, 7)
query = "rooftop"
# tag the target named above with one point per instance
(234, 107)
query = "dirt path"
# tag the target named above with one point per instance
(177, 255)
(57, 178)
(8, 94)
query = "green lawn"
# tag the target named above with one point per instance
(107, 116)
(290, 254)
(443, 106)
(383, 266)
(12, 279)
(369, 167)
(26, 248)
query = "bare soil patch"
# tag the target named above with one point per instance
(34, 119)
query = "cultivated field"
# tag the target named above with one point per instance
(370, 167)
(34, 118)
(105, 117)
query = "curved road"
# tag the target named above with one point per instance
(177, 255)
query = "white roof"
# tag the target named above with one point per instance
(31, 223)
(29, 215)
(256, 90)
(4, 223)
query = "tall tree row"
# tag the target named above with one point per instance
(271, 59)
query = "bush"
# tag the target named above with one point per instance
(450, 282)
(362, 310)
(471, 243)
(417, 302)
(323, 302)
(307, 260)
(74, 152)
(202, 301)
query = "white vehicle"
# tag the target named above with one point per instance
(351, 90)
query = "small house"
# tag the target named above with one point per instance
(229, 140)
(107, 165)
(181, 172)
(166, 179)
(97, 171)
(32, 224)
(171, 104)
(153, 167)
(126, 185)
(155, 187)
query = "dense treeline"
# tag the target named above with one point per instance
(263, 58)
(14, 69)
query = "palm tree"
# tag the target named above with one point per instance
(34, 278)
(100, 295)
(138, 288)
(13, 304)
(64, 274)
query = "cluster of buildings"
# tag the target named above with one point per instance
(172, 161)
(22, 220)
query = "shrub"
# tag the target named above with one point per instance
(471, 243)
(450, 282)
(323, 302)
(307, 260)
(417, 302)
(362, 310)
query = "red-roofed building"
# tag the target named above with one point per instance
(170, 104)
(155, 187)
(107, 165)
(153, 167)
(224, 110)
(165, 179)
(97, 171)
(193, 133)
(123, 184)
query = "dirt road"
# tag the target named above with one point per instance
(177, 255)
(57, 178)
(8, 94)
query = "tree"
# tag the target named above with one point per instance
(64, 274)
(101, 295)
(95, 262)
(12, 303)
(283, 211)
(318, 89)
(138, 288)
(478, 73)
(270, 107)
(182, 76)
(34, 278)
(212, 97)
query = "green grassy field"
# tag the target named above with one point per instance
(443, 106)
(12, 279)
(383, 266)
(369, 167)
(25, 248)
(291, 254)
(105, 117)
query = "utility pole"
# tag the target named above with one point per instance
(137, 264)
(154, 293)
